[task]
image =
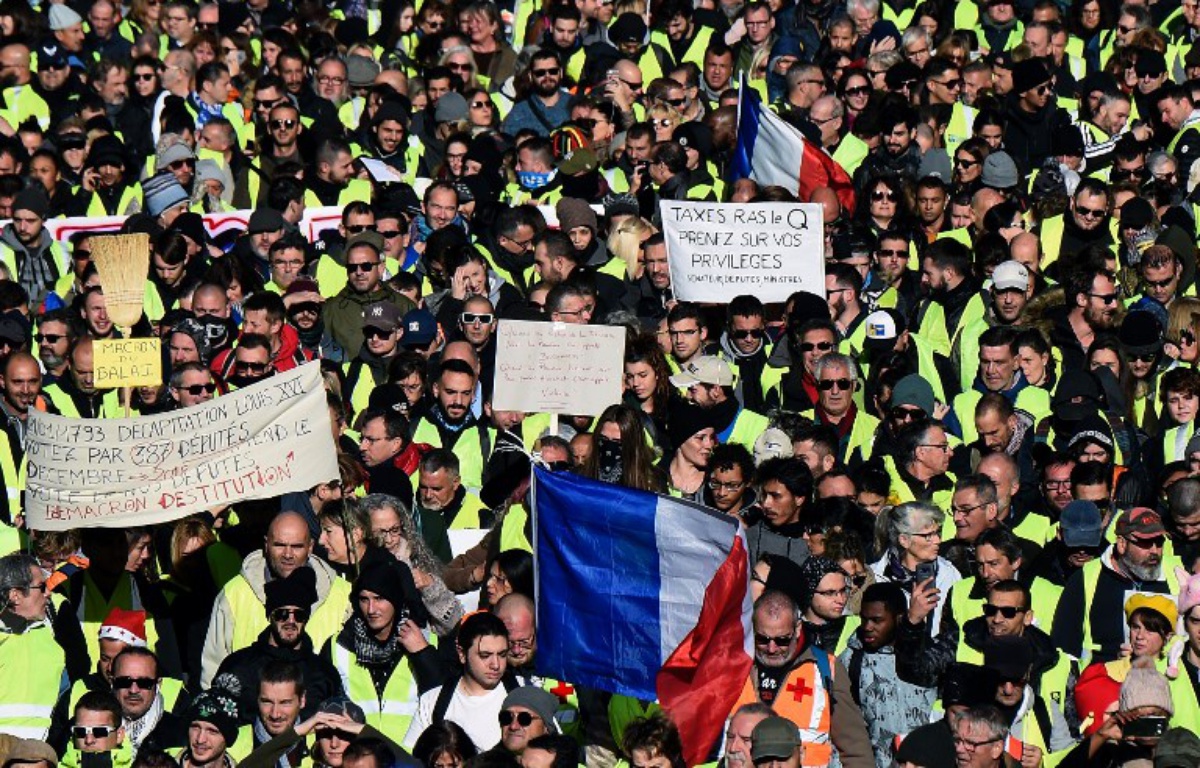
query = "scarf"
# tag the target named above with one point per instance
(139, 729)
(262, 737)
(205, 112)
(439, 417)
(369, 651)
(895, 571)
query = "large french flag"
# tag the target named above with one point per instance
(643, 595)
(772, 152)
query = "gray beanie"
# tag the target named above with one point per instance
(537, 700)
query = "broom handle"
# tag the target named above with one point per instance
(128, 395)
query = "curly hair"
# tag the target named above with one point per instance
(419, 554)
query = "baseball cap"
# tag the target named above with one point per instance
(1140, 522)
(382, 315)
(419, 328)
(264, 220)
(774, 737)
(1010, 275)
(1081, 523)
(773, 443)
(706, 369)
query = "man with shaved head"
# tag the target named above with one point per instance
(239, 617)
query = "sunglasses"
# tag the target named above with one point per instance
(254, 367)
(308, 306)
(749, 333)
(1105, 298)
(900, 413)
(125, 683)
(965, 162)
(1007, 611)
(376, 333)
(782, 641)
(826, 385)
(262, 104)
(96, 731)
(821, 346)
(1148, 357)
(552, 72)
(1043, 89)
(144, 77)
(49, 338)
(481, 105)
(860, 90)
(662, 122)
(1158, 283)
(676, 102)
(953, 85)
(523, 719)
(285, 124)
(483, 318)
(1090, 213)
(1155, 542)
(358, 229)
(181, 164)
(362, 266)
(195, 390)
(880, 195)
(283, 614)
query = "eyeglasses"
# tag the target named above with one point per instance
(880, 195)
(552, 72)
(717, 485)
(195, 390)
(283, 614)
(483, 318)
(1105, 298)
(1007, 611)
(250, 366)
(523, 719)
(962, 741)
(286, 124)
(820, 346)
(748, 333)
(1124, 30)
(683, 332)
(331, 80)
(362, 266)
(95, 731)
(928, 535)
(826, 385)
(832, 593)
(376, 333)
(124, 683)
(1155, 542)
(49, 338)
(358, 229)
(782, 641)
(966, 510)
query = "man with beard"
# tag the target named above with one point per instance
(898, 153)
(546, 106)
(22, 388)
(110, 80)
(343, 314)
(381, 343)
(54, 337)
(450, 424)
(1090, 617)
(34, 259)
(440, 491)
(1092, 302)
(288, 608)
(708, 382)
(137, 684)
(510, 243)
(104, 40)
(798, 681)
(389, 142)
(1085, 224)
(785, 485)
(954, 301)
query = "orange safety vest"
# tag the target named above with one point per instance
(802, 698)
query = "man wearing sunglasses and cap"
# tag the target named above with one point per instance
(708, 382)
(1034, 116)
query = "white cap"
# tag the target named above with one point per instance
(706, 369)
(1011, 275)
(63, 17)
(880, 325)
(773, 443)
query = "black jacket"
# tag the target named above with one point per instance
(1028, 135)
(321, 679)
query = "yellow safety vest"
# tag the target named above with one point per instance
(251, 619)
(64, 278)
(129, 202)
(468, 517)
(1034, 401)
(93, 609)
(394, 710)
(470, 448)
(1091, 578)
(110, 407)
(356, 190)
(32, 674)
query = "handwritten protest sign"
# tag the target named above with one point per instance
(720, 250)
(127, 363)
(558, 367)
(269, 438)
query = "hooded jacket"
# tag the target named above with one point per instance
(321, 680)
(218, 644)
(24, 272)
(343, 314)
(890, 706)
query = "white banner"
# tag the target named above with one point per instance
(264, 440)
(558, 367)
(314, 221)
(718, 251)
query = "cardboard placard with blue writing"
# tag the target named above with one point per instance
(717, 251)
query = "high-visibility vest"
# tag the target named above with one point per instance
(110, 406)
(512, 530)
(64, 277)
(695, 50)
(391, 712)
(1175, 442)
(130, 201)
(900, 494)
(1091, 578)
(11, 477)
(22, 103)
(473, 448)
(747, 427)
(93, 609)
(959, 129)
(468, 517)
(933, 322)
(169, 687)
(1034, 401)
(250, 618)
(850, 153)
(1044, 598)
(356, 190)
(32, 674)
(802, 698)
(862, 435)
(331, 276)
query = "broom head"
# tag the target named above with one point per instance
(123, 262)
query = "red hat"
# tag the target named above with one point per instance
(128, 627)
(1140, 521)
(1095, 691)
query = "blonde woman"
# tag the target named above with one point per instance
(625, 241)
(461, 61)
(664, 119)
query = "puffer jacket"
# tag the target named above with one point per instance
(890, 706)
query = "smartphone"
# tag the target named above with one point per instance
(95, 760)
(1145, 728)
(925, 572)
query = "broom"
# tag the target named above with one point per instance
(123, 262)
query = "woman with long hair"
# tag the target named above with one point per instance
(646, 383)
(621, 455)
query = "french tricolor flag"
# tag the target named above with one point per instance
(645, 596)
(772, 152)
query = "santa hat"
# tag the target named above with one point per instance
(1095, 691)
(128, 627)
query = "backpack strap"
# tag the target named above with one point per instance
(445, 695)
(821, 658)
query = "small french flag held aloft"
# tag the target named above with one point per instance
(645, 596)
(772, 152)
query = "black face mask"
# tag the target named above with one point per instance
(608, 459)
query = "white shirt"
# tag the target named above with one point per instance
(479, 716)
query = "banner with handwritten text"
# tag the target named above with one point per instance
(558, 367)
(266, 439)
(717, 251)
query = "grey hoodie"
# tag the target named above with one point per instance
(38, 274)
